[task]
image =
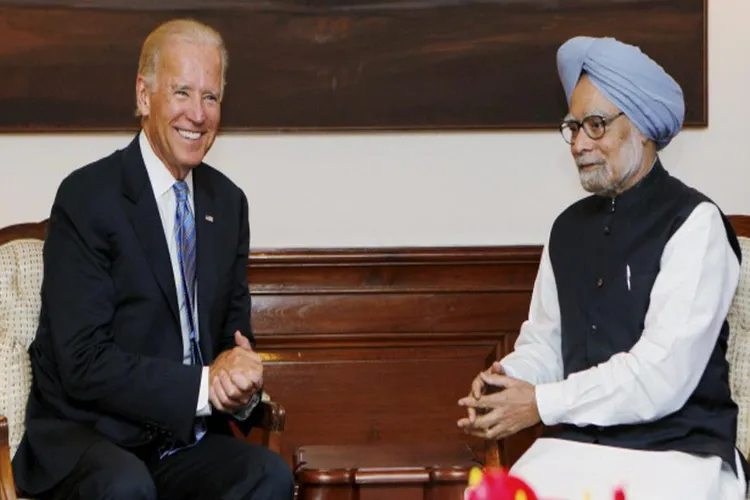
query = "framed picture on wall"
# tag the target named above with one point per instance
(317, 65)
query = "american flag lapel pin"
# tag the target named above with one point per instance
(210, 218)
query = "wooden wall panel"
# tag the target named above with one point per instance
(389, 312)
(374, 394)
(376, 347)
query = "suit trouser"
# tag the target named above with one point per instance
(218, 467)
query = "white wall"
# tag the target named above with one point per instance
(419, 189)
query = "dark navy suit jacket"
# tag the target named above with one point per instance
(107, 358)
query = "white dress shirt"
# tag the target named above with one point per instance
(162, 182)
(689, 302)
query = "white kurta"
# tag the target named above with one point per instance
(689, 301)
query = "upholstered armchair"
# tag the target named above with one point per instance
(20, 282)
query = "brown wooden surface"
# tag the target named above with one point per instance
(427, 471)
(33, 230)
(377, 346)
(7, 485)
(363, 462)
(337, 64)
(741, 224)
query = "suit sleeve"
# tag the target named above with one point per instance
(238, 309)
(81, 302)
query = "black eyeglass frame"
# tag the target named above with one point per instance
(585, 124)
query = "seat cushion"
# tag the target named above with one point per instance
(20, 284)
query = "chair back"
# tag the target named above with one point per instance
(20, 302)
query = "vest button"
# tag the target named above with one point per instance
(593, 328)
(606, 230)
(599, 283)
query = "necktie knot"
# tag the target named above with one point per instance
(181, 191)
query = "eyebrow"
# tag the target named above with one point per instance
(176, 87)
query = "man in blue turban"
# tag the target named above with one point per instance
(623, 354)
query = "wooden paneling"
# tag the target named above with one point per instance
(374, 394)
(376, 347)
(337, 64)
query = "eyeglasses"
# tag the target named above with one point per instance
(595, 126)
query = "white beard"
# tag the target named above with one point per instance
(602, 179)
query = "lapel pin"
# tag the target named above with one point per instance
(210, 218)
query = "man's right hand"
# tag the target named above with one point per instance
(234, 376)
(479, 387)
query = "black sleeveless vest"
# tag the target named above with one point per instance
(592, 245)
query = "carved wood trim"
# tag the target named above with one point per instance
(34, 230)
(741, 224)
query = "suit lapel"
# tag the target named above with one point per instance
(144, 217)
(205, 255)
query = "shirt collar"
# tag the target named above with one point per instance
(160, 177)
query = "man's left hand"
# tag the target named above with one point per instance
(507, 412)
(230, 389)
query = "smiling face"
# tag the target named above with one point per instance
(618, 159)
(181, 111)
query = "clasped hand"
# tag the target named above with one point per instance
(498, 405)
(234, 376)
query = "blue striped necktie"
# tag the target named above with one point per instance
(185, 235)
(184, 230)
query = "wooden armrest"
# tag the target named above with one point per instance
(7, 485)
(271, 416)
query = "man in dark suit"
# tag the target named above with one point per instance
(144, 351)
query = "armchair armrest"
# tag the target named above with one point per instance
(7, 485)
(271, 416)
(268, 417)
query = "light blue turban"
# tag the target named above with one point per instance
(630, 79)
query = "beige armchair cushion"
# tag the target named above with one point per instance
(738, 352)
(20, 284)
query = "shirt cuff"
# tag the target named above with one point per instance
(204, 408)
(519, 369)
(509, 370)
(245, 412)
(550, 401)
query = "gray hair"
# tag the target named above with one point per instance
(187, 30)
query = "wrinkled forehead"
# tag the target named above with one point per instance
(586, 100)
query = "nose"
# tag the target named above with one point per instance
(581, 143)
(195, 112)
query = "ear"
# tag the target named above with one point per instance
(143, 96)
(635, 130)
(641, 137)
